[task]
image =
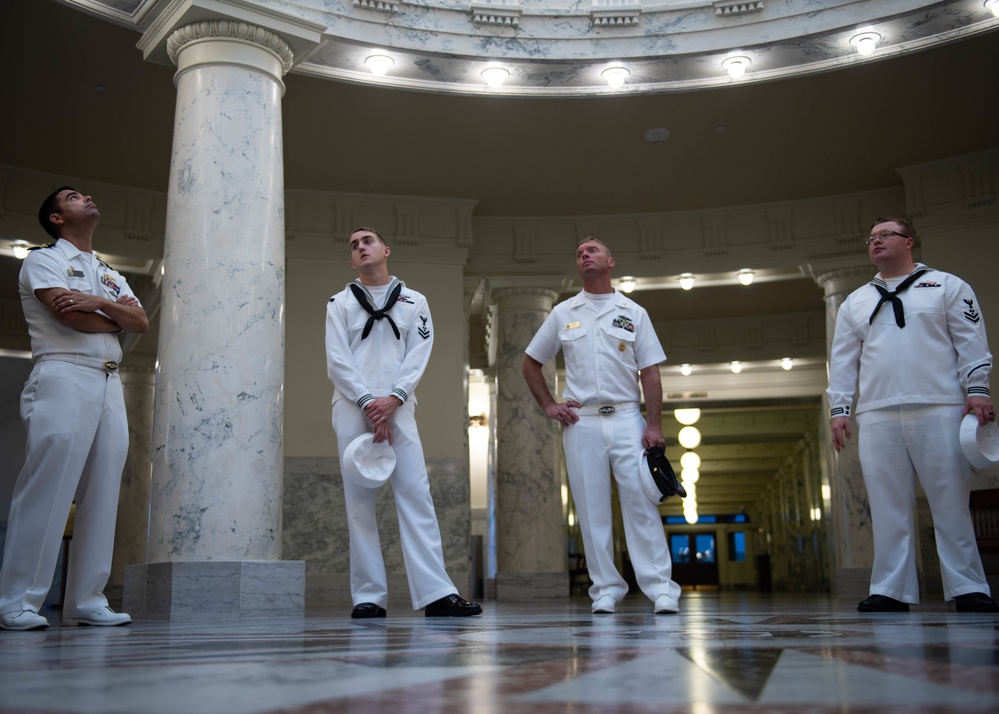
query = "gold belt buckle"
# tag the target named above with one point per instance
(609, 409)
(111, 366)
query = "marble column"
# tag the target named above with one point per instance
(215, 511)
(138, 385)
(530, 529)
(851, 510)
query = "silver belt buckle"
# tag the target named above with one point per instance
(609, 409)
(110, 366)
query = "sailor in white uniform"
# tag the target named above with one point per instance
(609, 346)
(916, 339)
(375, 358)
(74, 413)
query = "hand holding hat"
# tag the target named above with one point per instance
(660, 482)
(367, 463)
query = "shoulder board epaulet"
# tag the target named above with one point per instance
(99, 260)
(44, 245)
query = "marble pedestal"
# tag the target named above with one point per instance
(206, 590)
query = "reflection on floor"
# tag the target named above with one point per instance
(723, 653)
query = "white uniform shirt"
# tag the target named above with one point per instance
(941, 356)
(604, 346)
(379, 365)
(63, 265)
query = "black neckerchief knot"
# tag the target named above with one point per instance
(377, 314)
(894, 299)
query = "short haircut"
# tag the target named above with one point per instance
(907, 228)
(49, 206)
(591, 239)
(370, 230)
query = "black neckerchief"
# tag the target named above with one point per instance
(894, 299)
(377, 314)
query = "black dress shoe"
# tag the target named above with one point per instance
(452, 606)
(367, 609)
(975, 602)
(882, 603)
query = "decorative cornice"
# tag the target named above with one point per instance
(615, 13)
(229, 30)
(505, 13)
(389, 8)
(736, 7)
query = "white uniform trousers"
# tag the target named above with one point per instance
(76, 448)
(419, 531)
(898, 445)
(593, 446)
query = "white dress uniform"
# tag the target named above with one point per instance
(914, 382)
(361, 370)
(74, 413)
(606, 341)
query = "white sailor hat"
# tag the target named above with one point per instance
(368, 464)
(980, 443)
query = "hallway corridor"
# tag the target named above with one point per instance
(724, 653)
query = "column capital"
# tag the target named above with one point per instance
(530, 297)
(842, 275)
(222, 29)
(291, 40)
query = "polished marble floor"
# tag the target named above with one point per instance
(723, 653)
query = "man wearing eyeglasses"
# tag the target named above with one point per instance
(916, 338)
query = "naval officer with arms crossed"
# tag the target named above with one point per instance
(74, 412)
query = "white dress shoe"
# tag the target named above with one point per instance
(104, 617)
(22, 620)
(603, 605)
(666, 605)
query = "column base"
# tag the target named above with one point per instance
(531, 587)
(209, 590)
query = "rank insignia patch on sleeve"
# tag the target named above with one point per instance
(971, 314)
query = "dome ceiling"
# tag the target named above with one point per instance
(595, 47)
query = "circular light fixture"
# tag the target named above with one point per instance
(690, 460)
(865, 43)
(786, 363)
(691, 518)
(495, 76)
(627, 284)
(689, 437)
(746, 276)
(615, 76)
(690, 476)
(687, 416)
(993, 5)
(379, 64)
(687, 281)
(736, 367)
(736, 66)
(686, 369)
(20, 249)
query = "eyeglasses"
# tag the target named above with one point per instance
(883, 235)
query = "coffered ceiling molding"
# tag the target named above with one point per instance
(561, 47)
